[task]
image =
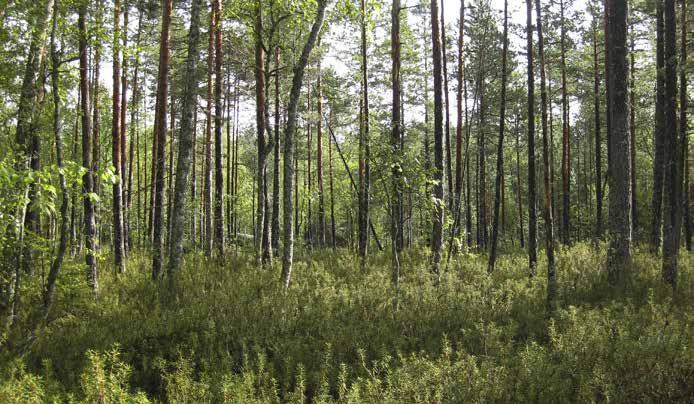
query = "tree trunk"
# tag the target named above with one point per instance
(632, 129)
(459, 123)
(364, 152)
(332, 194)
(185, 139)
(118, 234)
(160, 128)
(297, 81)
(57, 127)
(88, 177)
(532, 187)
(396, 204)
(438, 211)
(598, 141)
(276, 168)
(447, 133)
(566, 142)
(672, 200)
(218, 111)
(619, 250)
(549, 227)
(684, 138)
(500, 147)
(124, 131)
(207, 211)
(319, 159)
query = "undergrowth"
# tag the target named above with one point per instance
(226, 331)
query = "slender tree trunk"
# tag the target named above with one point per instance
(395, 141)
(519, 187)
(160, 128)
(276, 169)
(566, 141)
(549, 227)
(118, 234)
(459, 111)
(65, 194)
(447, 133)
(438, 212)
(297, 81)
(364, 152)
(632, 129)
(684, 137)
(185, 139)
(134, 127)
(673, 180)
(619, 250)
(123, 130)
(500, 147)
(207, 211)
(332, 194)
(319, 159)
(532, 187)
(218, 175)
(96, 114)
(87, 178)
(309, 188)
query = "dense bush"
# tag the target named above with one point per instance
(340, 334)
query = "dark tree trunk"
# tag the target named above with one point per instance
(124, 131)
(64, 204)
(532, 187)
(160, 128)
(549, 226)
(672, 201)
(207, 191)
(500, 148)
(185, 139)
(297, 80)
(218, 111)
(684, 138)
(598, 140)
(438, 210)
(619, 250)
(332, 195)
(118, 235)
(632, 130)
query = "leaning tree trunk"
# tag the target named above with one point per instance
(160, 133)
(500, 148)
(619, 250)
(438, 212)
(185, 140)
(297, 81)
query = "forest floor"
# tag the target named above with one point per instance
(228, 332)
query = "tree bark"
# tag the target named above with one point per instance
(684, 127)
(598, 140)
(276, 191)
(118, 235)
(500, 147)
(218, 111)
(88, 177)
(672, 201)
(619, 250)
(396, 204)
(532, 187)
(207, 210)
(438, 176)
(185, 139)
(319, 159)
(566, 141)
(364, 149)
(160, 128)
(549, 227)
(297, 81)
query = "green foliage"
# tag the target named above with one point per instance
(229, 333)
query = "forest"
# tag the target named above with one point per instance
(346, 201)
